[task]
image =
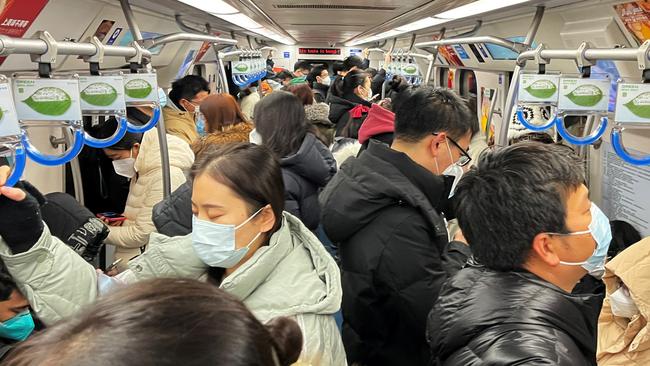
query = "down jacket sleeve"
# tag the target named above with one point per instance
(56, 281)
(135, 233)
(411, 270)
(173, 216)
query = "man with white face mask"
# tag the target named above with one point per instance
(137, 157)
(534, 233)
(386, 211)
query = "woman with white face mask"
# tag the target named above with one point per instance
(242, 241)
(137, 158)
(623, 322)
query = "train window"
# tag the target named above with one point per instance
(467, 83)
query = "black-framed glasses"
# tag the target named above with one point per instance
(465, 158)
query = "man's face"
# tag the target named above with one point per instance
(15, 305)
(192, 104)
(449, 153)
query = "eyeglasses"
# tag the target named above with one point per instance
(465, 158)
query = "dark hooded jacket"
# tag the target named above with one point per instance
(340, 108)
(382, 209)
(484, 317)
(305, 173)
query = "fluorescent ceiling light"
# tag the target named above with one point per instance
(468, 10)
(241, 20)
(421, 24)
(211, 6)
(477, 7)
(228, 13)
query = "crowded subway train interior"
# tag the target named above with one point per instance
(324, 182)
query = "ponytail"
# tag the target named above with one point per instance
(344, 85)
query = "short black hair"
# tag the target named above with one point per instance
(302, 65)
(187, 88)
(107, 129)
(372, 72)
(283, 75)
(337, 67)
(352, 61)
(513, 194)
(316, 71)
(428, 110)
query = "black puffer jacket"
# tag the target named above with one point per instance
(340, 108)
(305, 173)
(173, 215)
(484, 317)
(382, 211)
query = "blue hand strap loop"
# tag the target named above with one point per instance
(122, 127)
(617, 143)
(587, 140)
(54, 160)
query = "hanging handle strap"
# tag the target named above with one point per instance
(617, 143)
(20, 160)
(55, 160)
(122, 128)
(536, 128)
(586, 140)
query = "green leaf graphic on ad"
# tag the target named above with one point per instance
(241, 68)
(586, 95)
(542, 89)
(640, 105)
(49, 101)
(137, 88)
(99, 94)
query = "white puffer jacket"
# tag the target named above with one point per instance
(147, 190)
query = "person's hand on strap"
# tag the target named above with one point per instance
(20, 216)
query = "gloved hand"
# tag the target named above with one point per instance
(20, 217)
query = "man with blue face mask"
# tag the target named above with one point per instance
(534, 234)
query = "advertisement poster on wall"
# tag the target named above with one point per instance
(635, 16)
(16, 16)
(486, 101)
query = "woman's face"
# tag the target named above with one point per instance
(215, 202)
(365, 91)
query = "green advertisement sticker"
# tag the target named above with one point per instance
(137, 88)
(640, 105)
(99, 94)
(586, 95)
(49, 101)
(241, 67)
(542, 89)
(410, 69)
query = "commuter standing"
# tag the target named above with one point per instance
(534, 233)
(181, 115)
(385, 211)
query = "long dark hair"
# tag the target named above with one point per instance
(280, 120)
(250, 170)
(164, 322)
(344, 86)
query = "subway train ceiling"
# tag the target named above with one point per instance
(340, 22)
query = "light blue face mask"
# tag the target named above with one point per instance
(18, 328)
(601, 231)
(200, 124)
(162, 97)
(215, 243)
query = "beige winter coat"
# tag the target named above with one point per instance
(146, 190)
(623, 341)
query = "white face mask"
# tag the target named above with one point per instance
(454, 170)
(125, 167)
(254, 137)
(622, 303)
(325, 81)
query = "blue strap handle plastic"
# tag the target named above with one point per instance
(122, 128)
(617, 142)
(587, 140)
(536, 128)
(147, 126)
(52, 160)
(20, 160)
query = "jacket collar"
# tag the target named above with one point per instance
(435, 187)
